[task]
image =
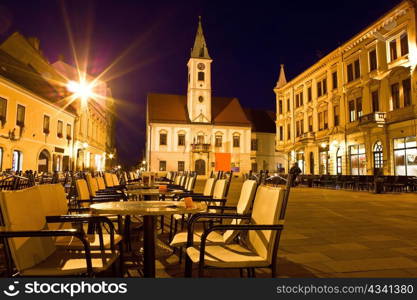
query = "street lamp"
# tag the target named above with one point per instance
(85, 145)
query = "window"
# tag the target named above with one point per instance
(288, 131)
(17, 162)
(60, 129)
(357, 160)
(310, 123)
(281, 133)
(181, 166)
(218, 141)
(162, 165)
(322, 88)
(375, 101)
(339, 162)
(378, 156)
(200, 139)
(357, 69)
(359, 107)
(299, 99)
(69, 132)
(352, 111)
(163, 139)
(280, 107)
(309, 95)
(354, 71)
(373, 64)
(336, 115)
(254, 145)
(181, 140)
(350, 72)
(395, 94)
(324, 162)
(288, 105)
(236, 141)
(3, 110)
(407, 91)
(323, 121)
(46, 120)
(200, 76)
(299, 126)
(334, 80)
(254, 167)
(20, 118)
(404, 44)
(405, 156)
(393, 50)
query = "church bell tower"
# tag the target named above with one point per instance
(199, 80)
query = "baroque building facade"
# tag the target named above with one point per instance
(197, 131)
(354, 111)
(40, 130)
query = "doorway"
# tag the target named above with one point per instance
(200, 167)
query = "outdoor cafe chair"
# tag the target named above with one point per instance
(32, 242)
(243, 208)
(262, 242)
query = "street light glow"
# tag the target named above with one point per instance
(111, 155)
(80, 89)
(85, 145)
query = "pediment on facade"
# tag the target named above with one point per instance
(374, 83)
(399, 73)
(354, 92)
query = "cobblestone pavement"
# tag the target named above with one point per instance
(336, 233)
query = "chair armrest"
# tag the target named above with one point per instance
(53, 233)
(277, 227)
(222, 207)
(194, 218)
(85, 218)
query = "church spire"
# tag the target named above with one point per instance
(282, 80)
(200, 48)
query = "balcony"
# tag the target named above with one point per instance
(402, 114)
(306, 137)
(373, 119)
(200, 147)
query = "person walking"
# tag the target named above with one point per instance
(295, 171)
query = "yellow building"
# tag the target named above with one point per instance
(354, 111)
(40, 131)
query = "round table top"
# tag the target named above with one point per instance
(153, 192)
(146, 208)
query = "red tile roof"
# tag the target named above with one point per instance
(167, 108)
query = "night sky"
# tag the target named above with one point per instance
(151, 41)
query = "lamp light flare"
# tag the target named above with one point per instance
(85, 145)
(80, 89)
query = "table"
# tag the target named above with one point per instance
(149, 210)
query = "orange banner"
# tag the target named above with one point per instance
(223, 162)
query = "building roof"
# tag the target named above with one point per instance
(27, 77)
(261, 120)
(167, 108)
(200, 47)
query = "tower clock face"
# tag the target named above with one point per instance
(201, 66)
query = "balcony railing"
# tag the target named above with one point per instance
(307, 136)
(200, 147)
(374, 118)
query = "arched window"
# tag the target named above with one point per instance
(378, 156)
(43, 161)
